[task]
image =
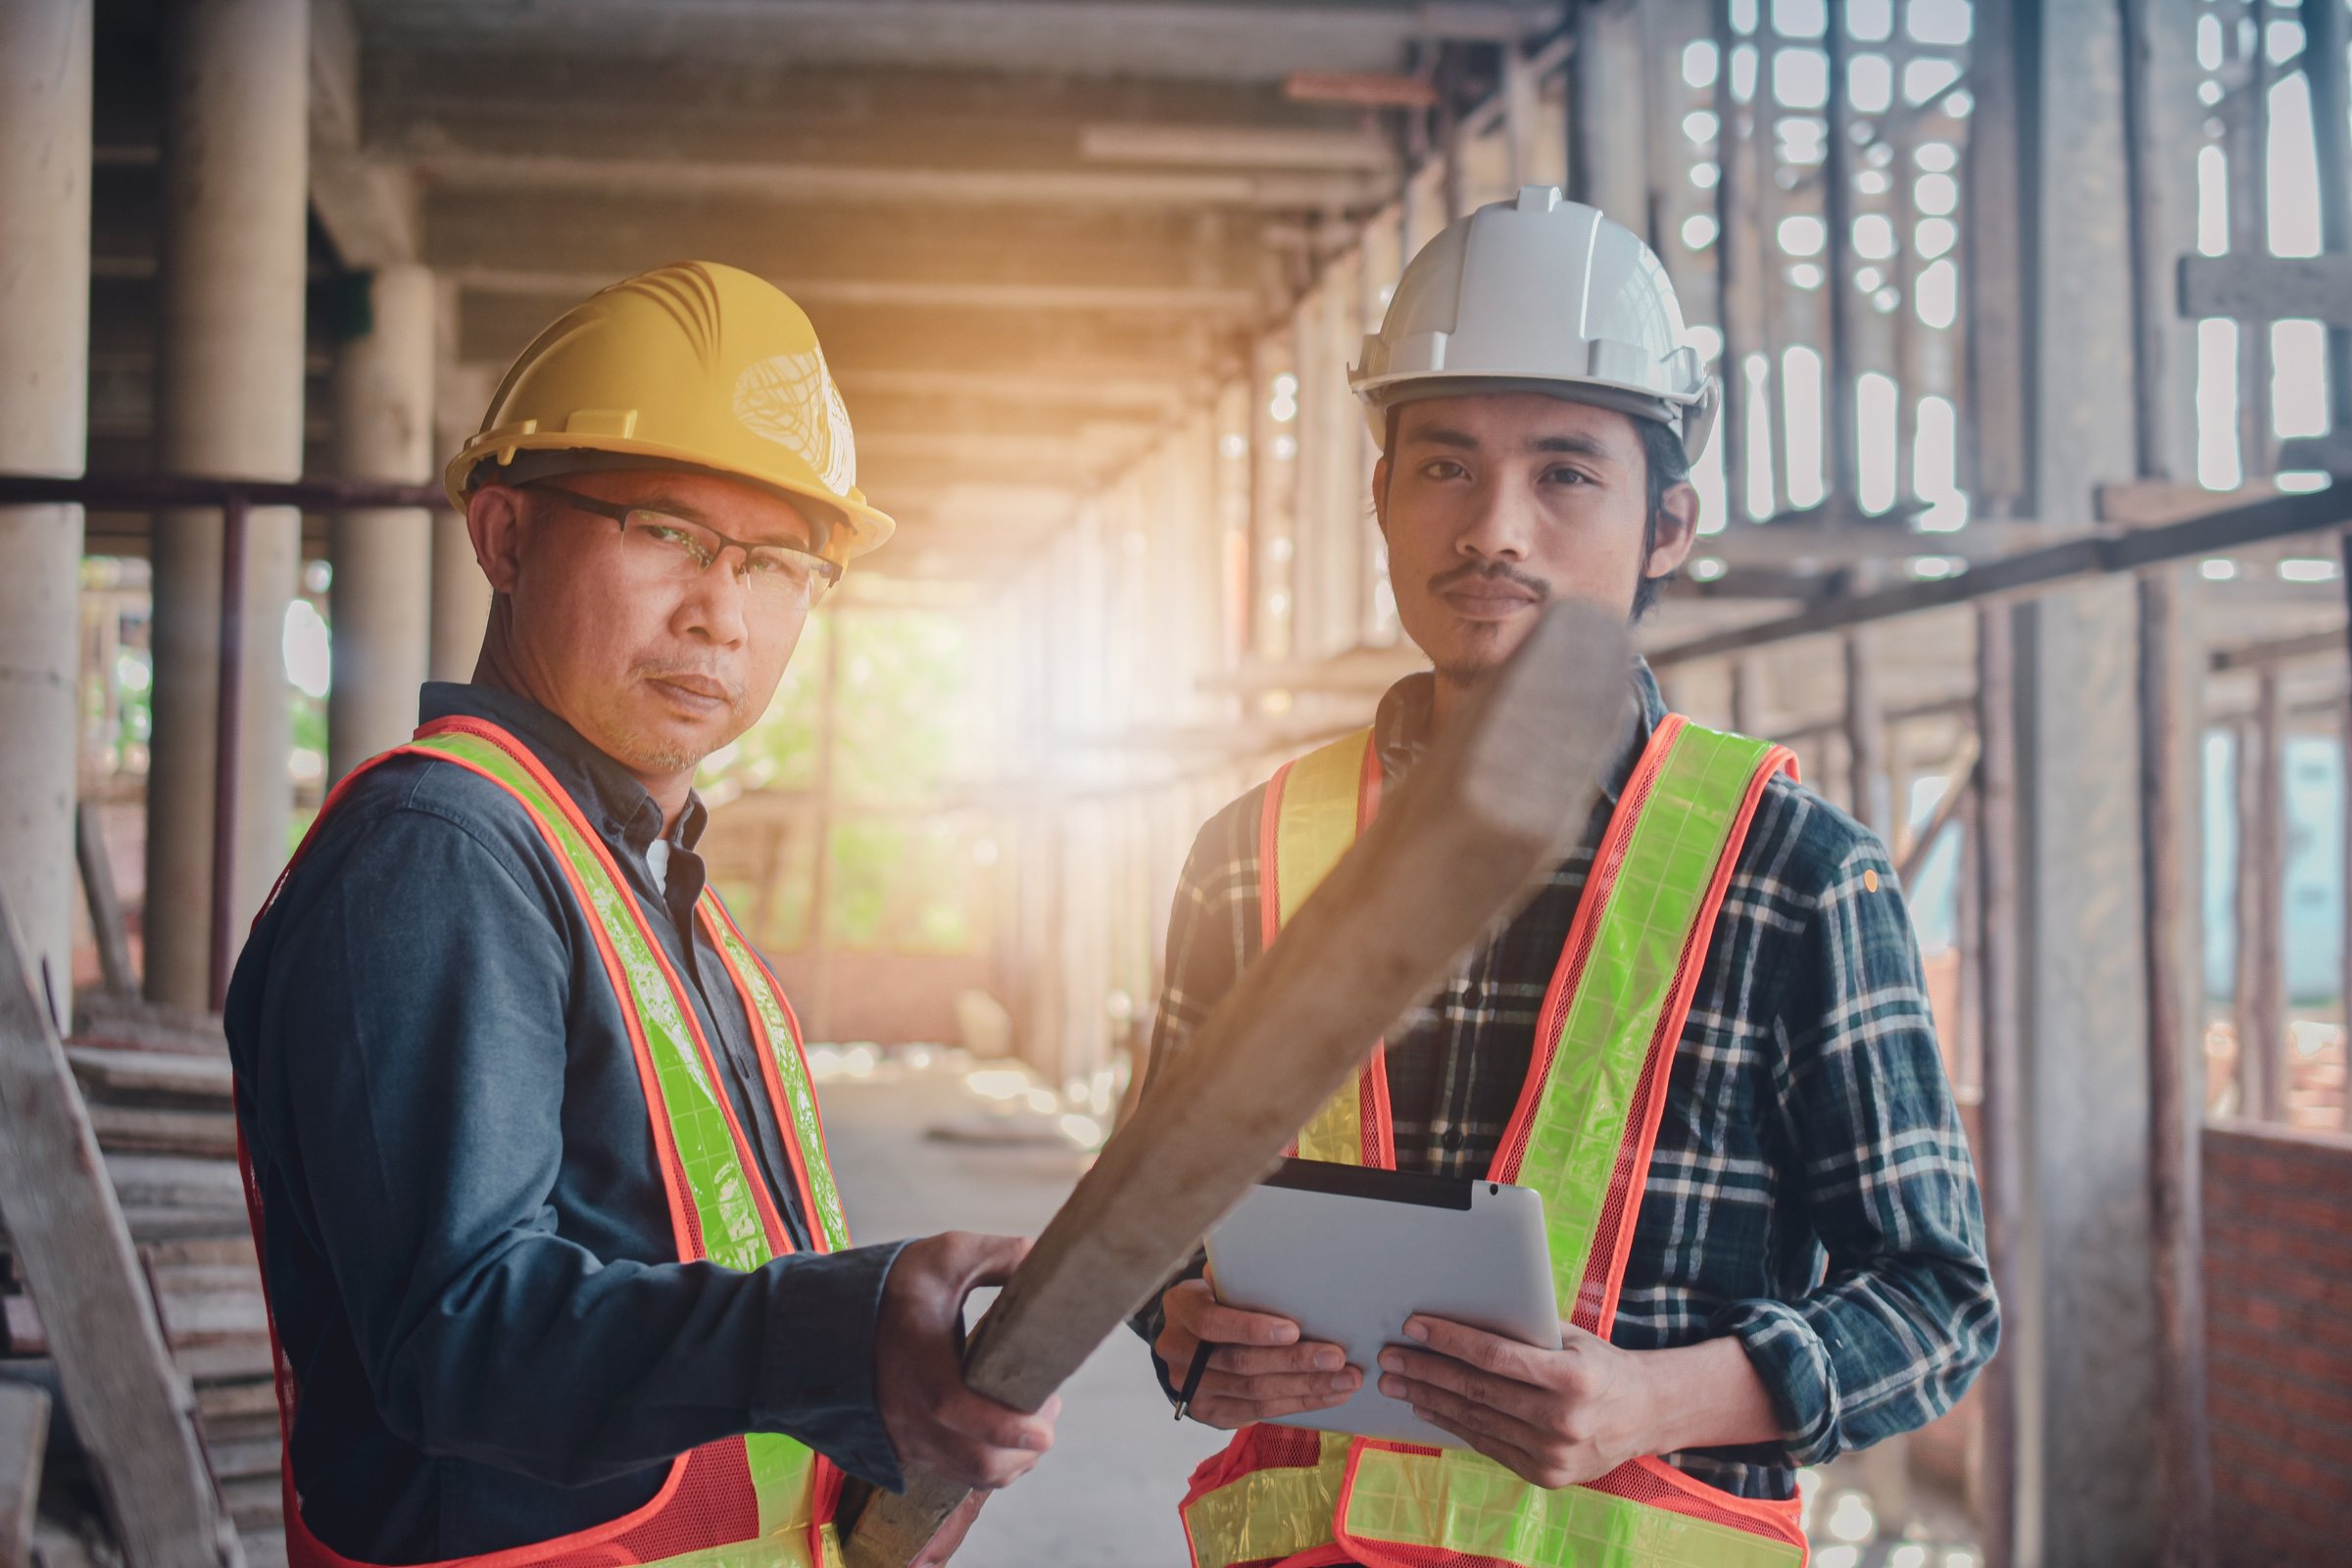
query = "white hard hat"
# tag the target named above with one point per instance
(1538, 294)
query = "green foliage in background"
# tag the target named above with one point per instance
(909, 723)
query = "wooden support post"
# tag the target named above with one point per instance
(134, 1412)
(2343, 1109)
(1841, 430)
(1747, 695)
(2000, 1164)
(1959, 785)
(1869, 788)
(2170, 818)
(105, 902)
(2176, 1102)
(1483, 816)
(2248, 144)
(2262, 905)
(820, 880)
(23, 1439)
(1733, 229)
(2324, 71)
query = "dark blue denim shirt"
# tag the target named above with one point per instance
(467, 1245)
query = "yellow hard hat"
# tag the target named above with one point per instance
(694, 364)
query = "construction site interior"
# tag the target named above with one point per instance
(2035, 324)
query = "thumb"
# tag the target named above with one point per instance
(991, 1259)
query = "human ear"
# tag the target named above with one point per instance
(498, 523)
(1677, 531)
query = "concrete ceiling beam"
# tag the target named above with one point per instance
(887, 183)
(913, 293)
(367, 207)
(1156, 38)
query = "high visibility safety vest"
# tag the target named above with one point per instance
(760, 1500)
(1581, 1135)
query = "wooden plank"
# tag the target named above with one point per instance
(2283, 650)
(110, 1020)
(2330, 454)
(104, 900)
(2034, 572)
(1489, 810)
(2268, 288)
(153, 1077)
(23, 1438)
(2157, 503)
(130, 1406)
(146, 1129)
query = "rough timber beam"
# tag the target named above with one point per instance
(367, 207)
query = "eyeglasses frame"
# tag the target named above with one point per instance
(829, 572)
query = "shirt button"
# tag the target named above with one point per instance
(1454, 1139)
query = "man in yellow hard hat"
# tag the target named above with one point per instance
(556, 1264)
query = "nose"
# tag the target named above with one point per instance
(1499, 524)
(713, 607)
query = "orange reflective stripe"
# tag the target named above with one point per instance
(1315, 810)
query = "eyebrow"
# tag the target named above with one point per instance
(1576, 445)
(663, 501)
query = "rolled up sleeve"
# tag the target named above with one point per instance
(1904, 1315)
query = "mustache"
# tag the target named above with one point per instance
(1495, 571)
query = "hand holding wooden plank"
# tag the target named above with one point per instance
(1460, 846)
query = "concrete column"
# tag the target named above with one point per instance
(461, 606)
(382, 595)
(44, 404)
(228, 401)
(2080, 1328)
(1608, 114)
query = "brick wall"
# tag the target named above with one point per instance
(2279, 1326)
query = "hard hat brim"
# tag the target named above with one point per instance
(1691, 419)
(857, 527)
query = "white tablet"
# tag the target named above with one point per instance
(1349, 1253)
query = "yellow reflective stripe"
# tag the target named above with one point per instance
(1277, 1512)
(1639, 937)
(1315, 825)
(1465, 1503)
(733, 1235)
(800, 1097)
(721, 1188)
(1317, 821)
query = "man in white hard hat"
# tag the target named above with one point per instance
(555, 1265)
(1705, 1042)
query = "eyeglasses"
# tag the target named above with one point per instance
(663, 547)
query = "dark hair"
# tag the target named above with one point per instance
(1668, 465)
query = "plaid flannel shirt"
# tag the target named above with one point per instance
(1811, 1189)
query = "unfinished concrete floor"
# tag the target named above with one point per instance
(1105, 1497)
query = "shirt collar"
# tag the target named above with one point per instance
(1400, 730)
(603, 790)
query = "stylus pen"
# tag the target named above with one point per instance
(1192, 1378)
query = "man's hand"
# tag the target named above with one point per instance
(1260, 1369)
(935, 1421)
(1560, 1417)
